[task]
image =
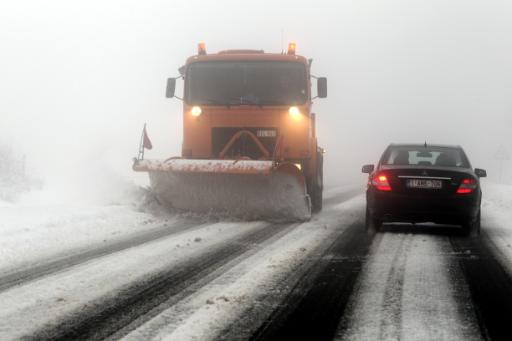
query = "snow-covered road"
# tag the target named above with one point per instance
(115, 272)
(409, 291)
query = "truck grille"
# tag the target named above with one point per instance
(244, 146)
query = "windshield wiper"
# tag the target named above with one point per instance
(248, 100)
(215, 102)
(275, 102)
(245, 100)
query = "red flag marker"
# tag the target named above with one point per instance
(146, 142)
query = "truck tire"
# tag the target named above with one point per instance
(317, 186)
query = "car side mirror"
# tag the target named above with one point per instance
(171, 87)
(368, 169)
(321, 87)
(481, 173)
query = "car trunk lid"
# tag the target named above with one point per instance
(424, 181)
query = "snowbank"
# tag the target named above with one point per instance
(54, 222)
(497, 218)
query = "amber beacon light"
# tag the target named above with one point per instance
(201, 48)
(291, 48)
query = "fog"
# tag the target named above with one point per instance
(79, 79)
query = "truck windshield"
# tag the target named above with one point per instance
(246, 83)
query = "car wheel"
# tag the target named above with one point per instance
(471, 227)
(372, 224)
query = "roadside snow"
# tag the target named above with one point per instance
(497, 219)
(497, 202)
(30, 233)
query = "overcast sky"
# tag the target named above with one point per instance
(79, 78)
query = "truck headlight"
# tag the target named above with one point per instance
(294, 112)
(196, 111)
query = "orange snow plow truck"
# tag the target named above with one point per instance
(249, 139)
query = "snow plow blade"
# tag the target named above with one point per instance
(246, 189)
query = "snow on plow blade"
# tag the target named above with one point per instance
(247, 189)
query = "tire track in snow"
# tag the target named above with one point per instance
(410, 289)
(54, 265)
(311, 311)
(490, 285)
(101, 319)
(235, 304)
(392, 299)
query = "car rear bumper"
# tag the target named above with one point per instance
(396, 207)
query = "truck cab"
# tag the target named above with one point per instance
(252, 105)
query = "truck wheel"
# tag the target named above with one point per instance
(316, 200)
(317, 187)
(372, 224)
(471, 226)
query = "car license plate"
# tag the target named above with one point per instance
(424, 183)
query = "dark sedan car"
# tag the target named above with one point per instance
(424, 183)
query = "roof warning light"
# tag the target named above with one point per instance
(291, 48)
(201, 49)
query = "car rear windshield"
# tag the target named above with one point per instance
(425, 156)
(246, 83)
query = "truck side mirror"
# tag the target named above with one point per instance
(171, 87)
(321, 86)
(481, 173)
(368, 169)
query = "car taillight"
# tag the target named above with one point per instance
(380, 182)
(467, 185)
